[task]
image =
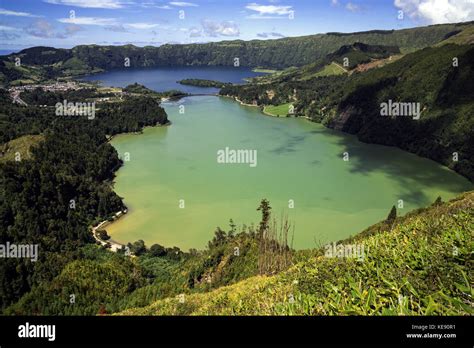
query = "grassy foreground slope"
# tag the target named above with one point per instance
(421, 265)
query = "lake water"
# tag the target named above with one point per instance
(296, 160)
(165, 79)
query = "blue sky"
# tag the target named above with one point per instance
(66, 23)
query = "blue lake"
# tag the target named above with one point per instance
(165, 78)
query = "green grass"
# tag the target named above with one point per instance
(278, 111)
(422, 265)
(465, 37)
(331, 69)
(21, 145)
(328, 70)
(263, 70)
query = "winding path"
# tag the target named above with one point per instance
(114, 246)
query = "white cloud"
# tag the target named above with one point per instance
(89, 21)
(45, 30)
(257, 16)
(183, 4)
(17, 14)
(438, 11)
(266, 35)
(225, 28)
(195, 32)
(352, 7)
(270, 9)
(335, 2)
(5, 27)
(118, 28)
(152, 4)
(141, 25)
(109, 4)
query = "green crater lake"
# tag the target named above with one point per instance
(296, 160)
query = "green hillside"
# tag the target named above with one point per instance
(346, 58)
(446, 96)
(419, 265)
(328, 70)
(19, 148)
(464, 37)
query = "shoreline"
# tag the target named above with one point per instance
(114, 245)
(111, 137)
(308, 119)
(265, 113)
(117, 245)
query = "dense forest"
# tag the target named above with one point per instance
(203, 83)
(52, 199)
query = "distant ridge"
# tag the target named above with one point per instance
(279, 54)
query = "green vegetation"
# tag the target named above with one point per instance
(422, 266)
(266, 71)
(346, 58)
(331, 69)
(139, 90)
(53, 196)
(461, 37)
(203, 83)
(282, 110)
(20, 147)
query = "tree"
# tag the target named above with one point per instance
(232, 228)
(157, 250)
(392, 215)
(138, 248)
(220, 238)
(265, 209)
(103, 234)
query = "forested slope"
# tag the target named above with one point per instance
(52, 195)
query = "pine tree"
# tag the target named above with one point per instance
(392, 215)
(265, 209)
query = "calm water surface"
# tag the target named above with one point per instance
(296, 160)
(165, 79)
